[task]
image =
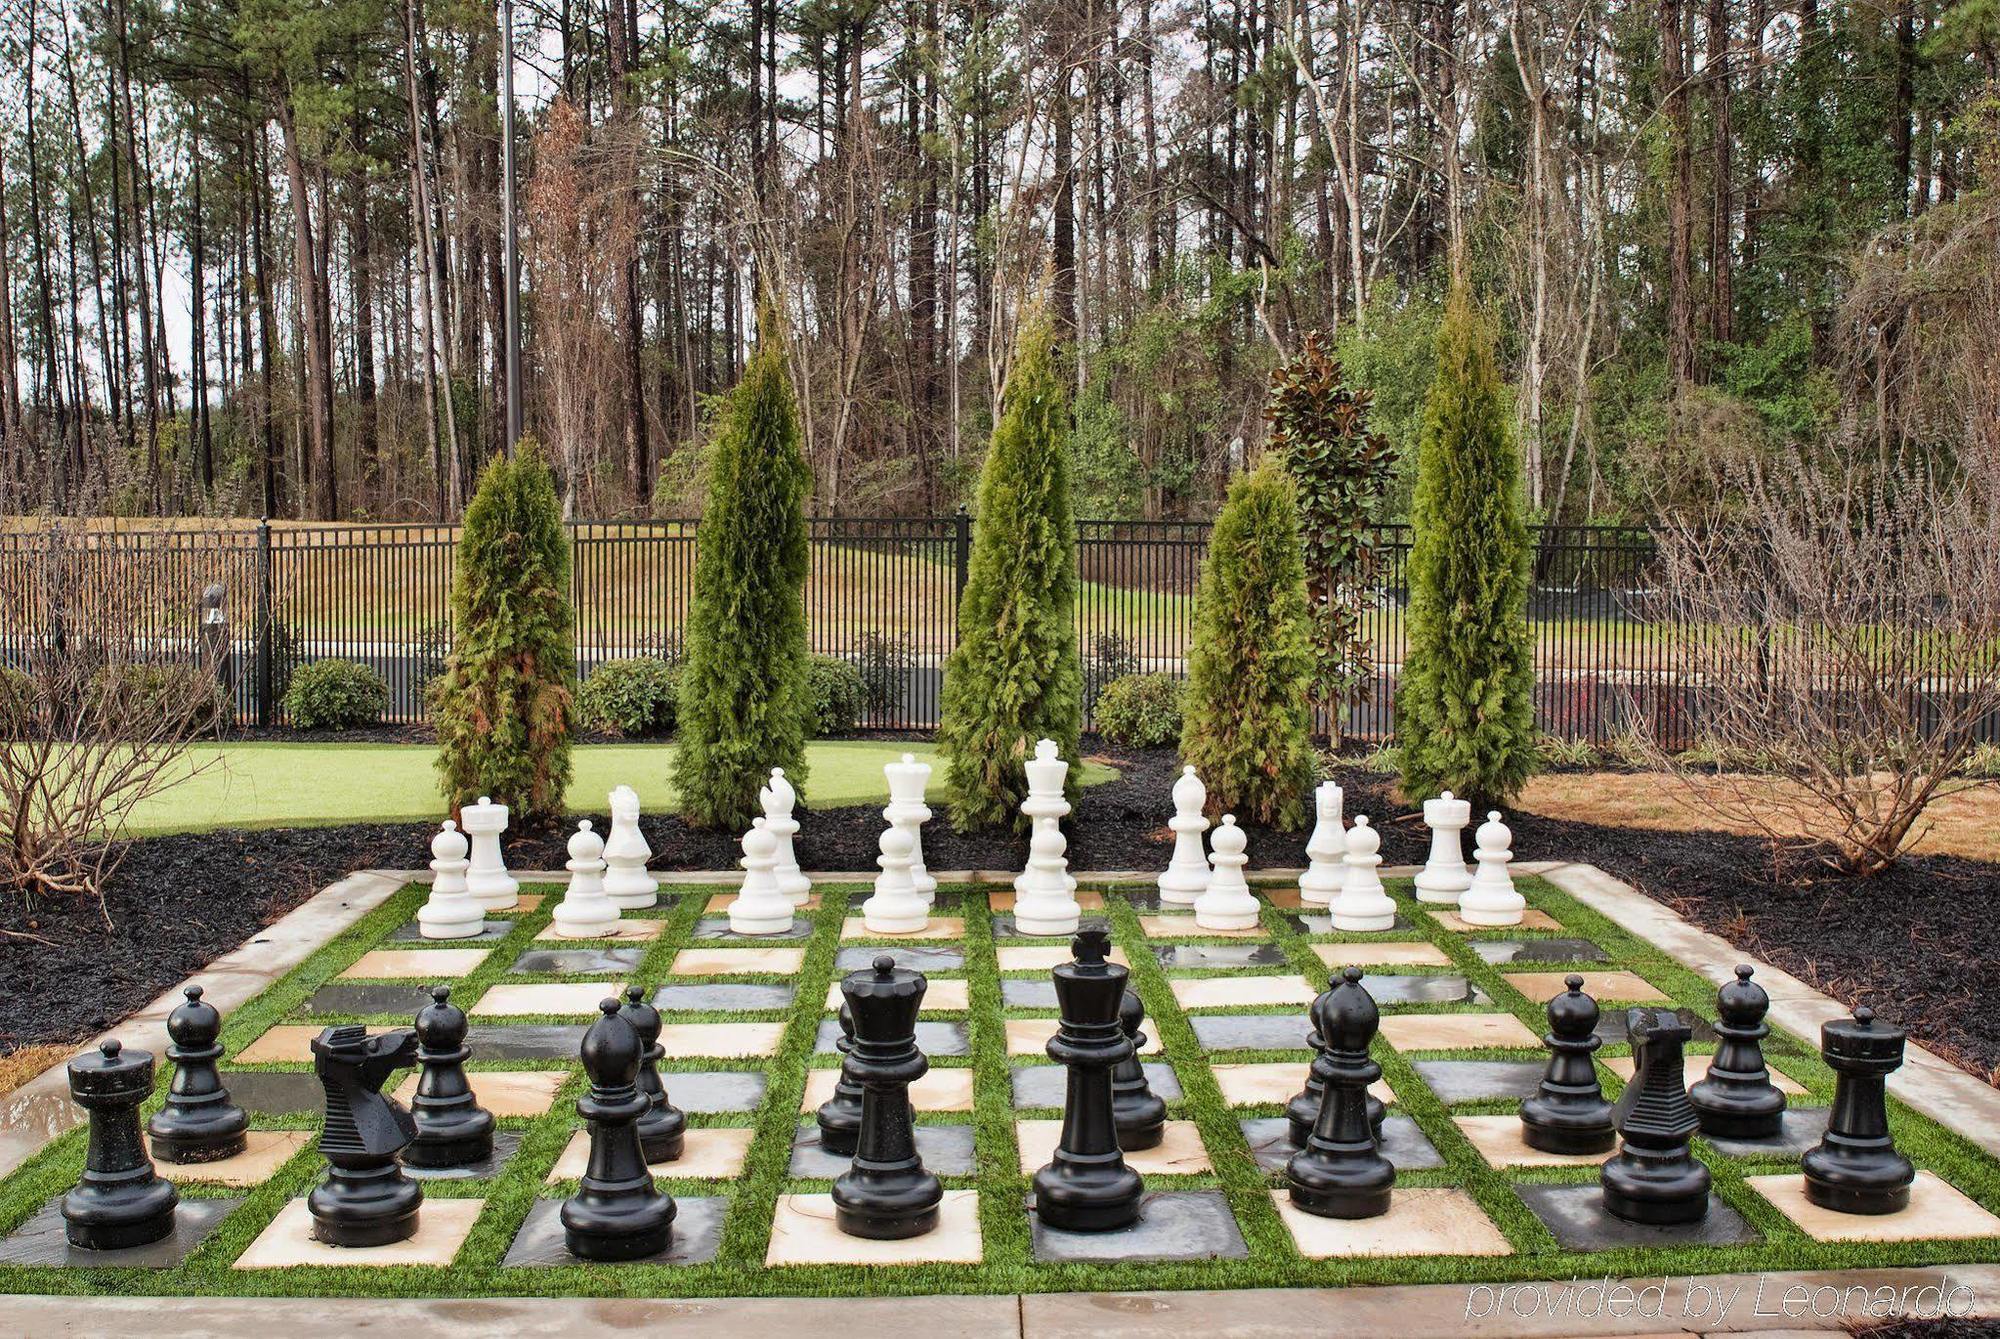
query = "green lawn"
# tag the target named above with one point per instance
(303, 785)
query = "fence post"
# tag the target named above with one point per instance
(961, 553)
(264, 622)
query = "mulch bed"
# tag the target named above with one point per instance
(1914, 944)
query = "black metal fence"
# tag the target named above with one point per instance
(882, 592)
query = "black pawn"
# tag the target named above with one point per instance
(199, 1123)
(120, 1202)
(365, 1200)
(886, 1194)
(840, 1115)
(663, 1129)
(1653, 1179)
(1086, 1187)
(1340, 1172)
(1856, 1168)
(1568, 1113)
(1738, 1100)
(617, 1212)
(1303, 1110)
(453, 1130)
(1139, 1111)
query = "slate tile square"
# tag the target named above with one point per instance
(1403, 1143)
(1799, 1129)
(365, 998)
(1173, 1225)
(934, 1037)
(1321, 923)
(1202, 956)
(1422, 988)
(526, 1041)
(579, 961)
(1031, 993)
(268, 1092)
(1480, 1080)
(920, 958)
(1251, 1032)
(738, 997)
(410, 933)
(506, 1143)
(1576, 1216)
(1042, 957)
(950, 996)
(715, 1091)
(697, 1234)
(1697, 1069)
(42, 1240)
(711, 928)
(947, 1150)
(1501, 952)
(1611, 1026)
(504, 1092)
(1043, 1085)
(1004, 927)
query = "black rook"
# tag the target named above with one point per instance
(1856, 1168)
(120, 1202)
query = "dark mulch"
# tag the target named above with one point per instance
(1915, 944)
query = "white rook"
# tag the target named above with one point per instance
(487, 877)
(1444, 876)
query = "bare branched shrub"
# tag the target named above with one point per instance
(1837, 631)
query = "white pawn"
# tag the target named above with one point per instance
(626, 881)
(1045, 906)
(761, 907)
(896, 908)
(585, 912)
(1045, 804)
(1492, 898)
(1325, 848)
(1363, 904)
(1226, 904)
(1186, 875)
(487, 878)
(778, 799)
(450, 912)
(907, 781)
(1444, 875)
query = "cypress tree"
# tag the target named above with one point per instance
(1250, 670)
(1465, 715)
(1015, 675)
(505, 706)
(743, 699)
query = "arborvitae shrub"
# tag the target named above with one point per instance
(335, 694)
(1015, 676)
(1248, 731)
(744, 704)
(1465, 716)
(638, 696)
(1141, 711)
(505, 706)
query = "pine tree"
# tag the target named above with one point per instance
(505, 705)
(743, 700)
(1015, 676)
(1248, 732)
(1465, 715)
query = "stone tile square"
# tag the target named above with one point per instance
(940, 997)
(1030, 1036)
(1534, 918)
(1170, 926)
(1453, 1032)
(1480, 1080)
(284, 1042)
(505, 1092)
(1287, 897)
(737, 961)
(1180, 1151)
(915, 957)
(1576, 1216)
(741, 997)
(1424, 988)
(1173, 1225)
(506, 1143)
(1611, 1026)
(1498, 1139)
(697, 1234)
(715, 1091)
(1252, 1032)
(722, 902)
(275, 1092)
(630, 930)
(1505, 951)
(1238, 992)
(1403, 1143)
(1434, 1221)
(1697, 1069)
(409, 932)
(938, 927)
(1043, 1085)
(724, 1041)
(264, 1152)
(1388, 954)
(417, 964)
(442, 1227)
(707, 1152)
(716, 929)
(365, 998)
(42, 1240)
(1028, 993)
(1175, 957)
(579, 961)
(933, 1037)
(1042, 957)
(1319, 921)
(1006, 928)
(1798, 1130)
(578, 998)
(803, 1233)
(947, 1150)
(1250, 1085)
(938, 1090)
(1087, 899)
(1938, 1211)
(526, 1041)
(1604, 987)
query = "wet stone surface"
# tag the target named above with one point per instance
(714, 928)
(1480, 1080)
(1321, 923)
(1028, 994)
(408, 933)
(915, 958)
(1403, 1143)
(41, 1240)
(506, 1143)
(715, 1090)
(1576, 1216)
(1044, 1085)
(1503, 951)
(1799, 1130)
(1446, 988)
(1173, 1225)
(275, 1092)
(526, 1041)
(357, 998)
(933, 1038)
(1611, 1026)
(579, 961)
(697, 1234)
(947, 1150)
(1251, 1032)
(1005, 928)
(1196, 956)
(722, 997)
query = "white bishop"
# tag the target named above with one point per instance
(778, 800)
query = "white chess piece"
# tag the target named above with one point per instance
(450, 912)
(487, 878)
(1444, 875)
(1492, 899)
(907, 781)
(1362, 903)
(1186, 875)
(1325, 848)
(778, 798)
(1046, 906)
(1226, 904)
(626, 881)
(1045, 804)
(761, 907)
(896, 908)
(585, 912)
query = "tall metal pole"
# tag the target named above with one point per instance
(510, 242)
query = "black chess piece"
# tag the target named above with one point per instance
(1855, 1168)
(1086, 1186)
(663, 1129)
(119, 1202)
(453, 1130)
(199, 1123)
(840, 1115)
(1568, 1113)
(1303, 1110)
(1653, 1178)
(1340, 1172)
(1140, 1112)
(617, 1212)
(365, 1200)
(1738, 1100)
(886, 1193)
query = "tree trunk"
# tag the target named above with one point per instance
(1680, 193)
(1722, 211)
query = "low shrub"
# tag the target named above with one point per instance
(640, 696)
(334, 694)
(1141, 710)
(1555, 751)
(143, 695)
(18, 692)
(837, 694)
